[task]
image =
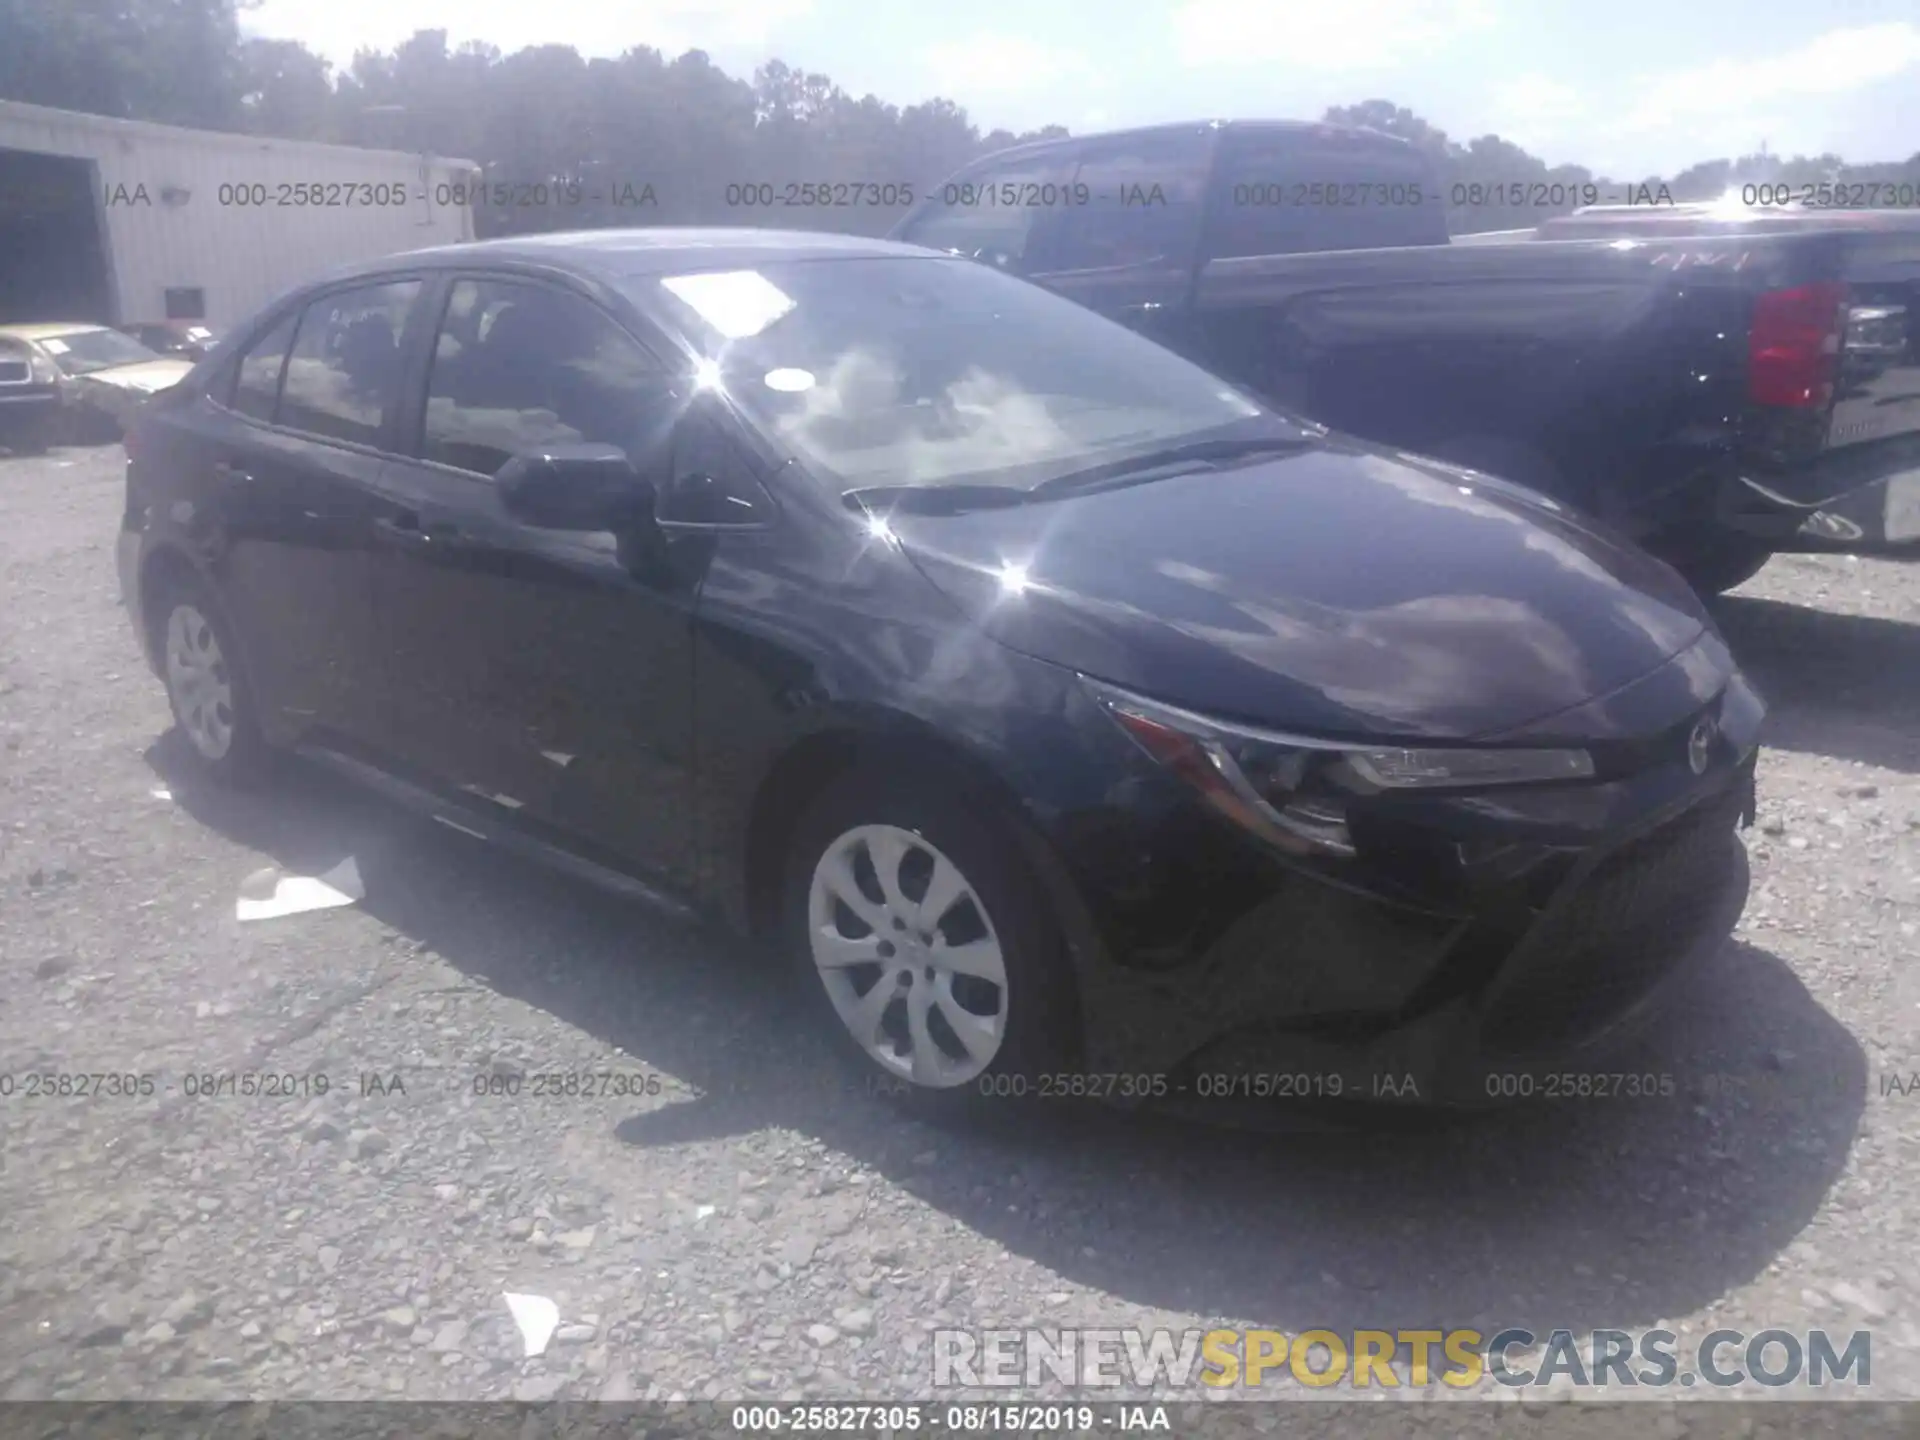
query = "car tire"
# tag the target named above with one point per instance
(33, 438)
(965, 1037)
(207, 688)
(1714, 564)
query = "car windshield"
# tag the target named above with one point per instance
(81, 352)
(909, 372)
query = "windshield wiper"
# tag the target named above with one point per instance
(1171, 460)
(935, 499)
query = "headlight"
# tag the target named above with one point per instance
(1292, 789)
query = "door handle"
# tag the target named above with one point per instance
(226, 472)
(400, 529)
(406, 529)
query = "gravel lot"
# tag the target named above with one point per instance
(758, 1227)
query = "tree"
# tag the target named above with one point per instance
(649, 139)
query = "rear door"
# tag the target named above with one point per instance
(545, 672)
(287, 454)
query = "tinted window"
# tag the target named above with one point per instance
(995, 214)
(1143, 204)
(1285, 194)
(256, 383)
(345, 364)
(518, 365)
(937, 371)
(712, 482)
(15, 363)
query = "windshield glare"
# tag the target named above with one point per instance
(81, 352)
(925, 372)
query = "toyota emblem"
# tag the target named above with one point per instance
(1700, 745)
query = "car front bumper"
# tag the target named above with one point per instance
(1216, 981)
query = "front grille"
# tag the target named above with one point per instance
(1610, 938)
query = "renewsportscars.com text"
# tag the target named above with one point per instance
(1391, 1359)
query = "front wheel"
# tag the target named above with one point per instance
(926, 950)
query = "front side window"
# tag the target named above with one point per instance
(995, 214)
(1144, 199)
(256, 382)
(518, 365)
(928, 372)
(16, 362)
(343, 372)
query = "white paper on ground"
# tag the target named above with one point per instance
(536, 1315)
(296, 894)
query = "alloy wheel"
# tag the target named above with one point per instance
(908, 955)
(199, 681)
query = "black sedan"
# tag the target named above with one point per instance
(1073, 723)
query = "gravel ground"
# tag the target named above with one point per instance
(744, 1223)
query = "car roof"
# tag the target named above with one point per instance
(49, 329)
(626, 253)
(1188, 127)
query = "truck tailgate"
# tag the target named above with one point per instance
(1877, 394)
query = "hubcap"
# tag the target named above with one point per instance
(908, 955)
(198, 682)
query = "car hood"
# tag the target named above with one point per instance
(145, 376)
(1343, 590)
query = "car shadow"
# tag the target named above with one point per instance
(1580, 1213)
(1846, 686)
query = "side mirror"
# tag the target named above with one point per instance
(575, 487)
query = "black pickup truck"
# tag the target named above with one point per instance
(1720, 385)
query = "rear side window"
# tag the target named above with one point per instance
(343, 371)
(996, 214)
(1288, 194)
(256, 380)
(517, 365)
(16, 365)
(1143, 203)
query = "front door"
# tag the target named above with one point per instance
(547, 673)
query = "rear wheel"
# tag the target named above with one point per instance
(927, 952)
(211, 701)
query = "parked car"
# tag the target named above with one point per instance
(188, 339)
(1055, 707)
(104, 376)
(29, 396)
(1717, 396)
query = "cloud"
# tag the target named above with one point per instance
(1316, 35)
(1836, 63)
(593, 27)
(1536, 99)
(998, 64)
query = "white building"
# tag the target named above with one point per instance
(123, 221)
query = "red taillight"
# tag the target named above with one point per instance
(1794, 346)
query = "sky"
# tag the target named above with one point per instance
(1625, 87)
